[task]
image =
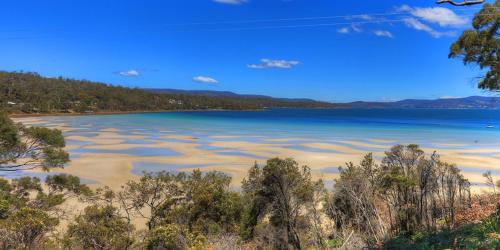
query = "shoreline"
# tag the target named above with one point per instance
(25, 115)
(98, 113)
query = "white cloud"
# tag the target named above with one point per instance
(364, 17)
(344, 30)
(442, 16)
(383, 33)
(268, 63)
(416, 24)
(353, 28)
(233, 2)
(205, 79)
(356, 28)
(404, 8)
(422, 17)
(129, 73)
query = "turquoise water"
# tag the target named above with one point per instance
(421, 126)
(371, 129)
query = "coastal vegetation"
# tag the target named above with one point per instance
(31, 93)
(479, 45)
(24, 148)
(409, 199)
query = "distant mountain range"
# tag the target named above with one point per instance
(451, 103)
(213, 93)
(455, 103)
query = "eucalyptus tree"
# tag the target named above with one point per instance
(413, 190)
(99, 227)
(24, 148)
(480, 45)
(353, 203)
(153, 196)
(30, 213)
(281, 191)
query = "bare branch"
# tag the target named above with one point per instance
(464, 3)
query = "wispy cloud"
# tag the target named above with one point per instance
(233, 2)
(205, 79)
(269, 63)
(423, 17)
(356, 28)
(383, 33)
(363, 17)
(129, 73)
(353, 28)
(442, 16)
(416, 24)
(344, 30)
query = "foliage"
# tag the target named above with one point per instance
(28, 214)
(99, 227)
(211, 208)
(353, 202)
(157, 193)
(26, 228)
(282, 189)
(421, 189)
(166, 237)
(201, 202)
(483, 235)
(24, 148)
(413, 192)
(480, 45)
(32, 93)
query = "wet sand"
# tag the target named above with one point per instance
(98, 155)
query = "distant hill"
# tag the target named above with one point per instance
(231, 94)
(477, 102)
(445, 103)
(22, 92)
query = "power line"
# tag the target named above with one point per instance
(308, 25)
(353, 16)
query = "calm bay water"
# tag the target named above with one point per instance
(215, 135)
(421, 126)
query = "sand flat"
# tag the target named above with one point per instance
(235, 153)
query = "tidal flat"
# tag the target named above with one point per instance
(111, 149)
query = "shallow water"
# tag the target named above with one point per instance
(278, 130)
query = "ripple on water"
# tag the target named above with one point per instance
(136, 151)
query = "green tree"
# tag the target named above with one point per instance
(210, 206)
(282, 191)
(153, 196)
(99, 227)
(26, 229)
(480, 45)
(24, 148)
(169, 236)
(353, 200)
(28, 213)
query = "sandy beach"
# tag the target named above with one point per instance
(106, 156)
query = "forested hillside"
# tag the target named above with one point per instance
(31, 93)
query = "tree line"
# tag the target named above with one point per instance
(32, 93)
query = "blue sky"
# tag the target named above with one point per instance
(322, 49)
